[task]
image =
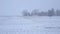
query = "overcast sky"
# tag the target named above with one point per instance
(14, 7)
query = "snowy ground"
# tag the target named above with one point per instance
(30, 25)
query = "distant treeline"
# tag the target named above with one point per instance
(36, 12)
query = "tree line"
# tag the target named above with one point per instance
(36, 12)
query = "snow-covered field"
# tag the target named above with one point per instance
(30, 25)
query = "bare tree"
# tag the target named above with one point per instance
(57, 12)
(35, 12)
(25, 13)
(51, 12)
(43, 13)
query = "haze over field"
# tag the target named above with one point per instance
(44, 20)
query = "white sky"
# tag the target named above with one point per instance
(14, 7)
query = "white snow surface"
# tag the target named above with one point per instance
(30, 25)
